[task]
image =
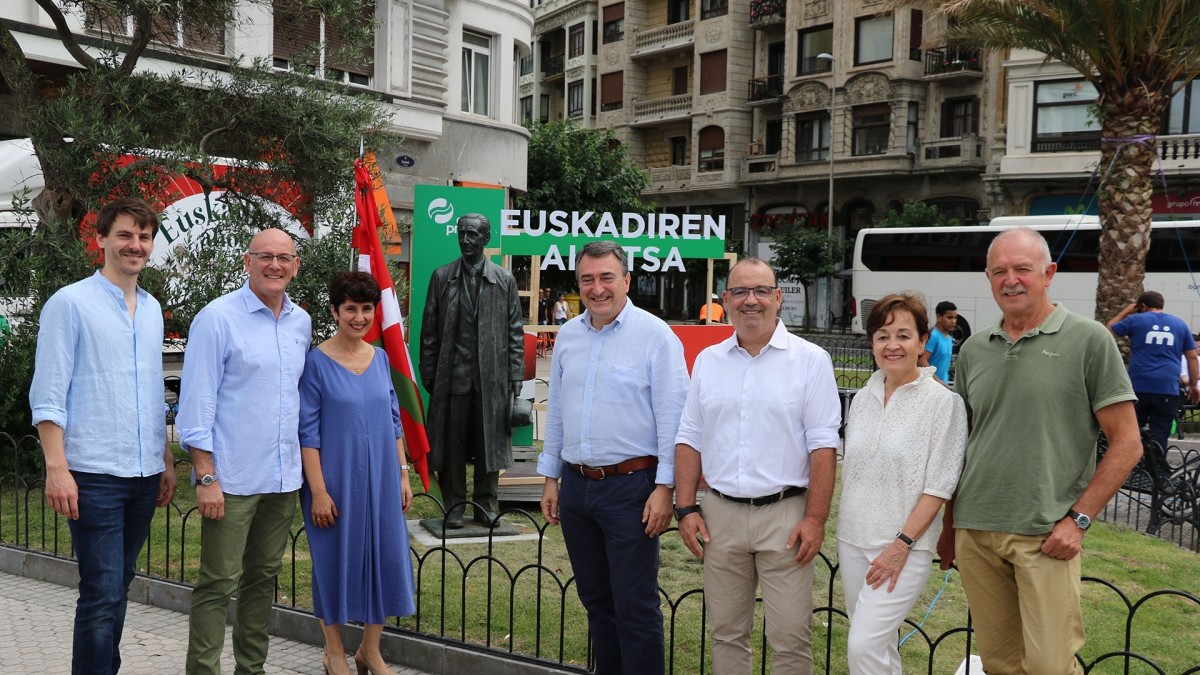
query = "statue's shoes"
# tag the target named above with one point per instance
(453, 521)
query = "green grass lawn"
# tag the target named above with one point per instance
(511, 595)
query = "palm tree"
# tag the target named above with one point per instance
(1134, 52)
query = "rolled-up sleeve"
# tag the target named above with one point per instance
(691, 421)
(823, 408)
(54, 362)
(668, 392)
(202, 372)
(550, 461)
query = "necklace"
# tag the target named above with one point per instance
(354, 357)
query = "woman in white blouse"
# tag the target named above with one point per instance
(905, 438)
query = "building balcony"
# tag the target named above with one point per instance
(760, 168)
(764, 13)
(670, 177)
(953, 63)
(675, 178)
(552, 67)
(951, 153)
(1180, 151)
(765, 89)
(668, 38)
(661, 110)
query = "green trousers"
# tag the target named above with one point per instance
(241, 553)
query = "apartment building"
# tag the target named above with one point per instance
(751, 109)
(1051, 161)
(444, 69)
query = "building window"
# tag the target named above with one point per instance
(678, 150)
(713, 8)
(872, 126)
(711, 145)
(1183, 113)
(614, 23)
(544, 109)
(575, 99)
(678, 10)
(309, 44)
(679, 81)
(575, 41)
(960, 117)
(1061, 117)
(872, 39)
(812, 42)
(712, 72)
(526, 110)
(912, 127)
(812, 136)
(916, 34)
(476, 73)
(774, 137)
(612, 90)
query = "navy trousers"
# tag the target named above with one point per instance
(616, 569)
(1157, 411)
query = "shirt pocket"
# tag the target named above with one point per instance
(621, 385)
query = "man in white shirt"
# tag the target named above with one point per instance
(761, 423)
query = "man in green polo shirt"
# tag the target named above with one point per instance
(1039, 386)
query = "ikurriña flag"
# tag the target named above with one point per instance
(388, 329)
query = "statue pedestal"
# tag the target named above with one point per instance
(470, 528)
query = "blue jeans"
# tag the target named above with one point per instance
(114, 521)
(616, 569)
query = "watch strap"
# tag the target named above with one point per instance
(905, 539)
(682, 512)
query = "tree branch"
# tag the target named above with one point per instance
(64, 34)
(142, 33)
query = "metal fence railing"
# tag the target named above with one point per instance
(516, 596)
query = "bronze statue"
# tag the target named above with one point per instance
(472, 364)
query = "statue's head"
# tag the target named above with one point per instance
(474, 231)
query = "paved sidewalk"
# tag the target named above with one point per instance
(36, 625)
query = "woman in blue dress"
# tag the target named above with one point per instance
(355, 479)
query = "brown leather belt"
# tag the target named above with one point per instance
(619, 469)
(763, 501)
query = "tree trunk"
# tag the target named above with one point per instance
(1127, 161)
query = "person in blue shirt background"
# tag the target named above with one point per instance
(1157, 341)
(98, 403)
(940, 346)
(239, 416)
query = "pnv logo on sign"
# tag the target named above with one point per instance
(441, 211)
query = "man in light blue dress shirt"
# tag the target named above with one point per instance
(617, 385)
(239, 412)
(97, 401)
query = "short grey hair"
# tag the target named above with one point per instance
(755, 260)
(1030, 234)
(478, 219)
(600, 249)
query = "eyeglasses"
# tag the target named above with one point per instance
(266, 258)
(760, 292)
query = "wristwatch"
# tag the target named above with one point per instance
(905, 539)
(682, 512)
(206, 480)
(1082, 521)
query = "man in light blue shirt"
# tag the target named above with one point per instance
(97, 400)
(239, 410)
(617, 385)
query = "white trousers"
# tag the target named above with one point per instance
(876, 615)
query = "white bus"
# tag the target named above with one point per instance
(946, 263)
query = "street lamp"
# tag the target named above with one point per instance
(826, 56)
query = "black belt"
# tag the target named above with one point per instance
(763, 501)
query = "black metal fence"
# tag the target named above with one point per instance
(516, 597)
